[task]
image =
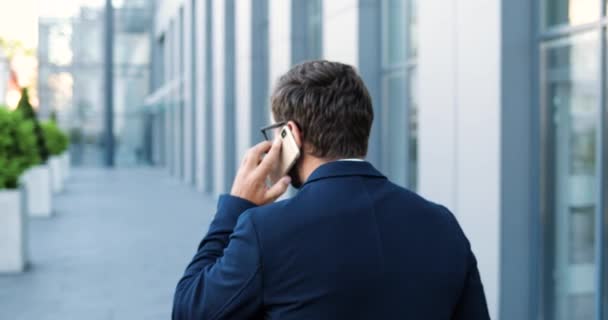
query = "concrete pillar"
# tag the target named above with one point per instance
(459, 138)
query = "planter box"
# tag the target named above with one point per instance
(13, 231)
(56, 175)
(65, 165)
(39, 196)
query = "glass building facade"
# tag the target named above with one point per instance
(71, 64)
(497, 109)
(505, 124)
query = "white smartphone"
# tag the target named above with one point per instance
(289, 154)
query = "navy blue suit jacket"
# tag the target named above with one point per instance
(349, 245)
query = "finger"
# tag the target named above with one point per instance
(271, 158)
(255, 153)
(277, 189)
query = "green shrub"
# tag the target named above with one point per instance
(18, 150)
(56, 140)
(28, 112)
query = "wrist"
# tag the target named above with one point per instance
(234, 203)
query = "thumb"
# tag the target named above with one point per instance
(277, 189)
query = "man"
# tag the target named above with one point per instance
(349, 245)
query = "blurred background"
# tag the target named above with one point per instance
(495, 108)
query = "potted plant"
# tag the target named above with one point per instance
(57, 144)
(37, 179)
(18, 152)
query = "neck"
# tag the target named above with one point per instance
(310, 164)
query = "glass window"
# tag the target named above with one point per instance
(395, 133)
(399, 100)
(571, 98)
(570, 12)
(315, 29)
(394, 32)
(160, 64)
(413, 129)
(307, 30)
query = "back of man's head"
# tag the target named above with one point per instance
(330, 104)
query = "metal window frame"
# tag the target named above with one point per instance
(259, 78)
(229, 93)
(520, 163)
(209, 99)
(193, 89)
(301, 18)
(369, 62)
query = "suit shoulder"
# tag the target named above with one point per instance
(428, 208)
(265, 212)
(447, 215)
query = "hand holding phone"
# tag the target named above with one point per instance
(250, 184)
(290, 153)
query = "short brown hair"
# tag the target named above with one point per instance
(330, 104)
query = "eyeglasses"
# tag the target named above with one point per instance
(269, 131)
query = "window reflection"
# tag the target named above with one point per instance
(572, 12)
(394, 32)
(315, 31)
(570, 86)
(413, 129)
(396, 155)
(399, 101)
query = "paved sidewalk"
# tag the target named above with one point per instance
(115, 249)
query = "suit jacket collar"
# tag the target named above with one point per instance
(343, 169)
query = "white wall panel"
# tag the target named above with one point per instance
(279, 39)
(437, 94)
(459, 143)
(340, 31)
(478, 132)
(243, 77)
(166, 10)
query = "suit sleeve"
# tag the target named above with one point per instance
(472, 303)
(223, 281)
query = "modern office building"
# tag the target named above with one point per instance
(495, 108)
(71, 65)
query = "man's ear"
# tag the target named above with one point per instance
(295, 130)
